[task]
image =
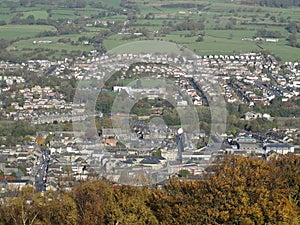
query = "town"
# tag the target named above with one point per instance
(148, 150)
(149, 112)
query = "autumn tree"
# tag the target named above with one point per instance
(247, 191)
(19, 210)
(178, 203)
(289, 167)
(40, 140)
(31, 208)
(128, 207)
(235, 190)
(56, 208)
(91, 199)
(239, 191)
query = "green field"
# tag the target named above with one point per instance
(112, 3)
(35, 47)
(55, 44)
(223, 25)
(218, 39)
(39, 14)
(29, 43)
(111, 44)
(22, 31)
(89, 11)
(63, 13)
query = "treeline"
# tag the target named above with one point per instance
(237, 190)
(273, 3)
(12, 133)
(268, 33)
(184, 5)
(72, 4)
(60, 3)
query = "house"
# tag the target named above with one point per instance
(280, 148)
(272, 40)
(251, 148)
(52, 185)
(15, 185)
(252, 115)
(111, 142)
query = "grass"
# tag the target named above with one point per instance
(20, 9)
(116, 17)
(95, 29)
(212, 45)
(286, 53)
(12, 32)
(63, 14)
(6, 17)
(55, 45)
(154, 22)
(4, 10)
(113, 42)
(112, 3)
(217, 14)
(220, 42)
(39, 14)
(144, 46)
(54, 50)
(89, 11)
(226, 34)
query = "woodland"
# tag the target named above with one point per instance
(235, 190)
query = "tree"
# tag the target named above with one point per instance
(29, 208)
(57, 209)
(92, 199)
(2, 22)
(40, 140)
(184, 173)
(20, 210)
(293, 27)
(289, 166)
(48, 139)
(69, 171)
(200, 38)
(239, 191)
(178, 203)
(248, 191)
(30, 20)
(292, 40)
(128, 207)
(23, 2)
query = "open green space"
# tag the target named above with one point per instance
(88, 11)
(113, 42)
(53, 43)
(112, 3)
(5, 17)
(39, 14)
(221, 25)
(11, 32)
(50, 47)
(213, 45)
(63, 14)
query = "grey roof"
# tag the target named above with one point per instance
(279, 145)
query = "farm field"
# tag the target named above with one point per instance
(12, 32)
(205, 27)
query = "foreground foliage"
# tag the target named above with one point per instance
(236, 191)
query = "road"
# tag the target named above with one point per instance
(42, 165)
